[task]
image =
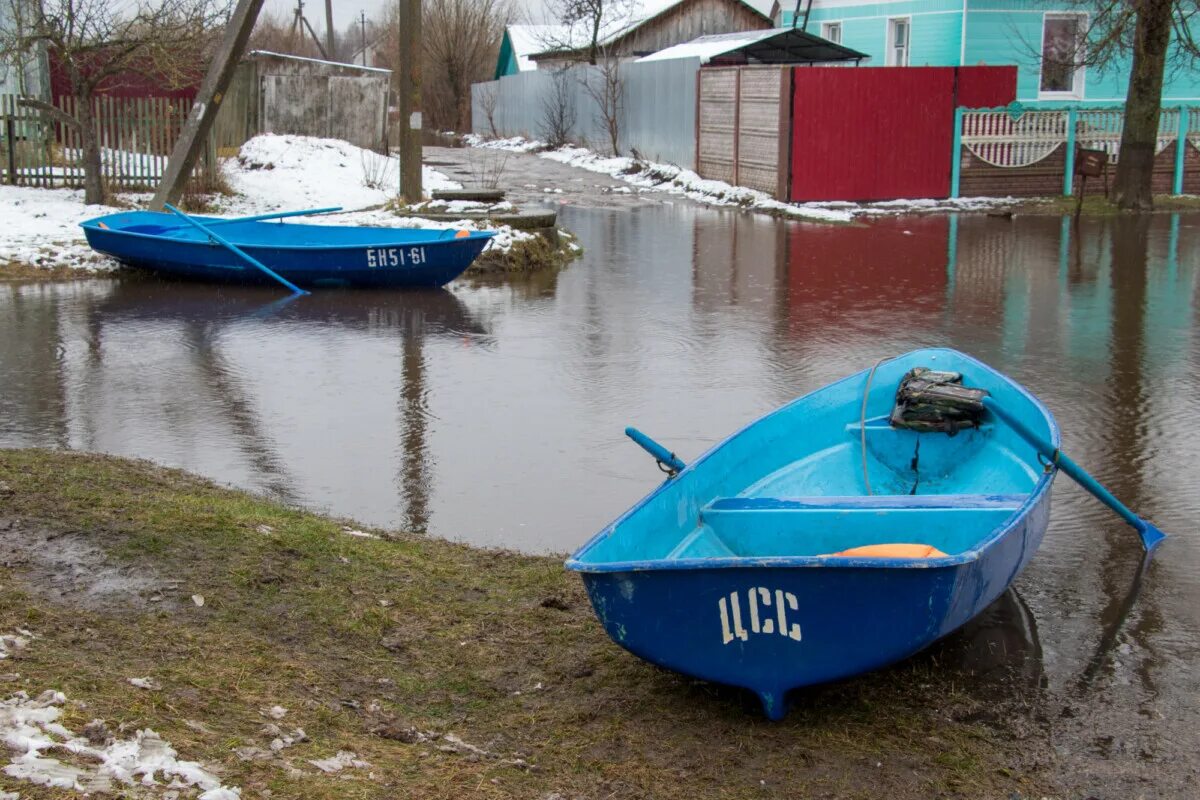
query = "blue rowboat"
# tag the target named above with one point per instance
(735, 570)
(306, 255)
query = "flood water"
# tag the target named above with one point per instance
(492, 412)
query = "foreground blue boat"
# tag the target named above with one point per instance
(735, 570)
(314, 256)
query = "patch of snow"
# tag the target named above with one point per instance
(663, 178)
(669, 178)
(503, 240)
(360, 534)
(341, 761)
(515, 144)
(271, 173)
(222, 793)
(275, 172)
(41, 228)
(12, 642)
(30, 728)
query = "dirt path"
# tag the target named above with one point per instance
(530, 180)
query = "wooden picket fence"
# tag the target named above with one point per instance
(136, 137)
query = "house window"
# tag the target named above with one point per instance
(897, 44)
(832, 32)
(1062, 50)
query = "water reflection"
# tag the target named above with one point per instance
(998, 651)
(493, 412)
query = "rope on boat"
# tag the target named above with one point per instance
(1051, 464)
(862, 421)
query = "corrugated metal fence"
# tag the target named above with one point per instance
(658, 113)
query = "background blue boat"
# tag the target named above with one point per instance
(728, 571)
(306, 255)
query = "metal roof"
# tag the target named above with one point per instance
(773, 46)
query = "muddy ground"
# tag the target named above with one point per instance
(454, 672)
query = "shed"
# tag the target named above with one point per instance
(657, 24)
(519, 42)
(279, 93)
(773, 46)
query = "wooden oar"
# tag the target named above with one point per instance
(1151, 536)
(237, 251)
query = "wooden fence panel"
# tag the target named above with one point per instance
(135, 135)
(717, 121)
(759, 147)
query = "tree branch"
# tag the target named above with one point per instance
(58, 114)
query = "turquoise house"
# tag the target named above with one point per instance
(1035, 36)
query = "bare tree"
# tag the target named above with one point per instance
(462, 38)
(98, 40)
(606, 87)
(586, 24)
(277, 34)
(460, 41)
(489, 98)
(558, 109)
(1108, 34)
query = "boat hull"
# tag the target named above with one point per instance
(746, 567)
(404, 262)
(845, 620)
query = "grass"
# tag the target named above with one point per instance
(545, 251)
(1095, 204)
(369, 641)
(21, 272)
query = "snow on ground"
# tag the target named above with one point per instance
(274, 173)
(271, 173)
(41, 228)
(30, 729)
(651, 176)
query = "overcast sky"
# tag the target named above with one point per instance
(346, 10)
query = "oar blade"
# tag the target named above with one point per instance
(1151, 535)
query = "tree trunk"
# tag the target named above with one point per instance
(93, 180)
(1143, 104)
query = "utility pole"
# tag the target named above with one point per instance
(329, 30)
(300, 24)
(208, 102)
(362, 19)
(410, 100)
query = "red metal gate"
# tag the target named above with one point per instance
(882, 133)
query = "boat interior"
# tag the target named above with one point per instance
(276, 233)
(798, 483)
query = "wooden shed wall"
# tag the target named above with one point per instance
(271, 94)
(689, 20)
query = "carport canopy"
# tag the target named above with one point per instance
(772, 46)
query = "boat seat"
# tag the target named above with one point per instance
(878, 502)
(702, 543)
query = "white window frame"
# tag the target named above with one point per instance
(1079, 78)
(825, 26)
(889, 54)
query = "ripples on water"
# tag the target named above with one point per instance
(493, 412)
